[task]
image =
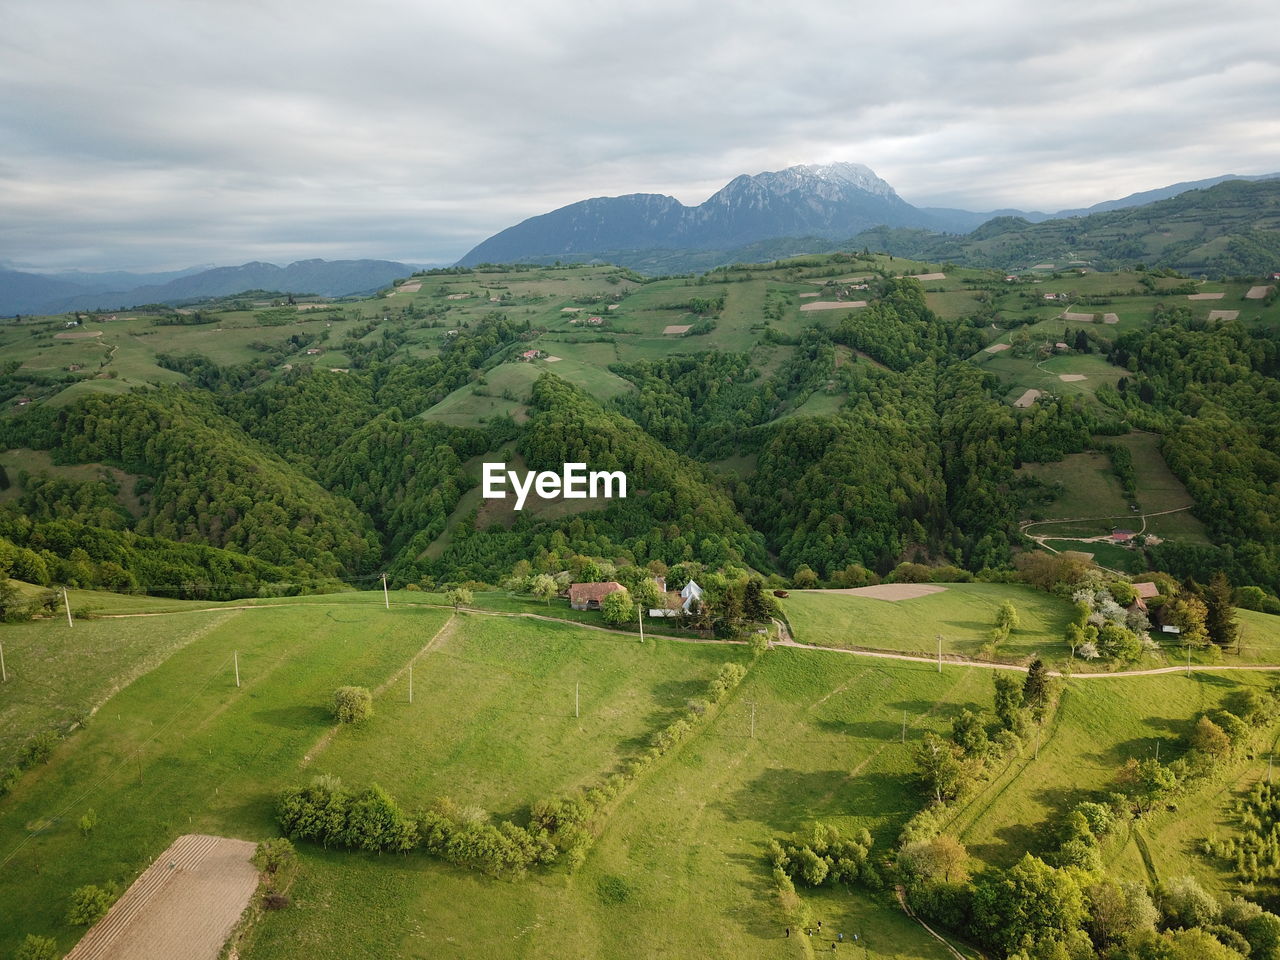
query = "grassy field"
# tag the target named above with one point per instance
(962, 614)
(182, 750)
(678, 866)
(679, 870)
(1100, 724)
(1083, 485)
(58, 675)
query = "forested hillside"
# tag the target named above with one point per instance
(831, 414)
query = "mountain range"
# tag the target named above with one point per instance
(23, 292)
(833, 202)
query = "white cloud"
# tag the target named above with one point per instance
(147, 135)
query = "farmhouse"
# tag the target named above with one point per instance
(531, 355)
(588, 596)
(672, 603)
(1122, 536)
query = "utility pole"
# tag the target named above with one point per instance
(68, 606)
(235, 656)
(1188, 658)
(640, 618)
(939, 653)
(1157, 751)
(386, 597)
(4, 677)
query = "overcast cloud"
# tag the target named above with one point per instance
(140, 135)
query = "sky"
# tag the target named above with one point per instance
(147, 136)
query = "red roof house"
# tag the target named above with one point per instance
(588, 596)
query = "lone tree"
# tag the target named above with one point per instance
(618, 607)
(1220, 611)
(1008, 701)
(755, 607)
(37, 948)
(1035, 690)
(1007, 618)
(544, 588)
(274, 855)
(89, 904)
(352, 704)
(459, 597)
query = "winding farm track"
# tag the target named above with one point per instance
(786, 642)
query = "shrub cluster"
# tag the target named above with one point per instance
(34, 752)
(820, 855)
(464, 836)
(326, 813)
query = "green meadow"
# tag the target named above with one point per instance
(508, 710)
(962, 614)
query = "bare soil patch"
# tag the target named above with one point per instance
(570, 309)
(807, 295)
(891, 591)
(1205, 296)
(413, 287)
(1027, 399)
(1110, 318)
(1257, 293)
(833, 305)
(612, 306)
(1072, 377)
(1223, 314)
(184, 905)
(77, 335)
(1043, 266)
(676, 329)
(458, 296)
(931, 276)
(313, 306)
(997, 347)
(551, 359)
(1088, 317)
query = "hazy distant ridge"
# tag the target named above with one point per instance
(33, 293)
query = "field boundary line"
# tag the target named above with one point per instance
(950, 659)
(327, 737)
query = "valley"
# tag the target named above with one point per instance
(880, 528)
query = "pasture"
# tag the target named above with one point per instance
(678, 864)
(182, 750)
(962, 614)
(1099, 725)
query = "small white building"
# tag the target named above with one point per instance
(673, 604)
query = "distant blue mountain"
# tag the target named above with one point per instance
(831, 203)
(37, 293)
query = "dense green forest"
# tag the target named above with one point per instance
(775, 439)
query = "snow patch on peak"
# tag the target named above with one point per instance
(857, 174)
